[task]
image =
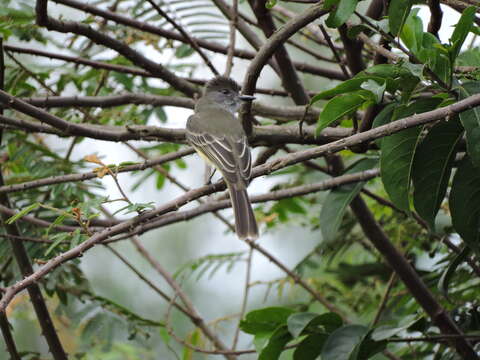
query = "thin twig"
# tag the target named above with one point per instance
(231, 46)
(334, 51)
(195, 317)
(245, 296)
(385, 297)
(187, 37)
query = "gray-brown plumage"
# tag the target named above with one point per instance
(216, 134)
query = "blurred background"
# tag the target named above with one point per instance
(217, 292)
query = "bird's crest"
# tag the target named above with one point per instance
(222, 82)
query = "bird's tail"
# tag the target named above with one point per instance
(245, 223)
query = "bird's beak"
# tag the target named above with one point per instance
(247, 97)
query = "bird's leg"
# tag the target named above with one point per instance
(209, 172)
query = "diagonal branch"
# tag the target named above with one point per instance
(269, 48)
(100, 38)
(21, 256)
(267, 168)
(410, 278)
(187, 37)
(290, 80)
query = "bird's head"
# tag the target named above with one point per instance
(225, 92)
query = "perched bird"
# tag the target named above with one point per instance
(218, 136)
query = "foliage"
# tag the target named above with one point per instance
(342, 299)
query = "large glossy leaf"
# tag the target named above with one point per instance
(462, 29)
(275, 344)
(367, 348)
(412, 31)
(386, 331)
(398, 11)
(340, 106)
(337, 201)
(310, 347)
(471, 122)
(342, 342)
(464, 203)
(432, 166)
(343, 11)
(265, 320)
(346, 86)
(448, 274)
(297, 323)
(397, 154)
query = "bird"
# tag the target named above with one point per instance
(218, 137)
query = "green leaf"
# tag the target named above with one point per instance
(367, 348)
(57, 239)
(341, 343)
(183, 51)
(342, 13)
(398, 11)
(298, 322)
(432, 166)
(346, 86)
(383, 118)
(22, 213)
(375, 88)
(398, 151)
(161, 114)
(412, 31)
(463, 27)
(338, 107)
(447, 275)
(329, 321)
(310, 347)
(265, 320)
(337, 200)
(270, 3)
(276, 344)
(387, 331)
(160, 181)
(464, 202)
(471, 121)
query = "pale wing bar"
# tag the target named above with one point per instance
(245, 158)
(219, 152)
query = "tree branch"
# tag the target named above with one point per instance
(92, 175)
(410, 278)
(269, 48)
(290, 80)
(8, 338)
(100, 38)
(267, 168)
(21, 257)
(195, 316)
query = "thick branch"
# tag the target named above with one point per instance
(21, 257)
(436, 15)
(353, 51)
(92, 175)
(410, 278)
(243, 28)
(278, 38)
(100, 38)
(290, 80)
(282, 113)
(8, 338)
(267, 168)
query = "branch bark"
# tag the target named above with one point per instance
(410, 278)
(100, 38)
(21, 257)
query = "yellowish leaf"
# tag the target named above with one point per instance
(93, 159)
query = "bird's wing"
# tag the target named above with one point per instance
(230, 154)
